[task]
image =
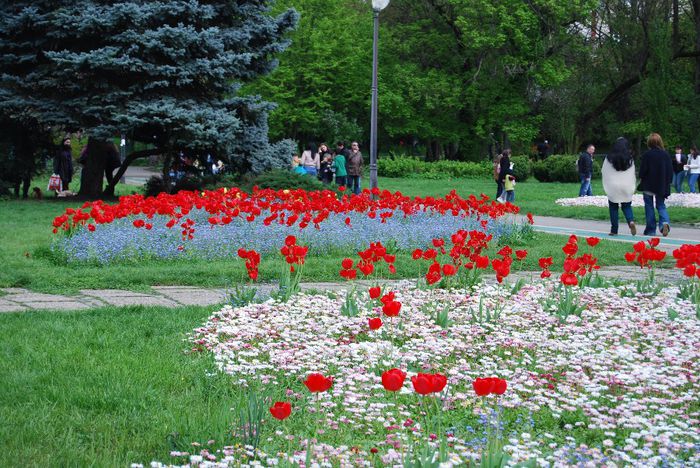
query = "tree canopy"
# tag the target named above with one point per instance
(163, 73)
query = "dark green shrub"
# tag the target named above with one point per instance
(562, 168)
(409, 166)
(540, 170)
(522, 167)
(281, 179)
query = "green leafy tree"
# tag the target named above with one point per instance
(163, 73)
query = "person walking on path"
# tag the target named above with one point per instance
(693, 167)
(310, 160)
(504, 171)
(619, 182)
(656, 175)
(354, 168)
(63, 163)
(585, 171)
(679, 162)
(496, 174)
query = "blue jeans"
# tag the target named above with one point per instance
(585, 190)
(311, 170)
(510, 196)
(678, 181)
(693, 182)
(354, 184)
(340, 180)
(615, 214)
(499, 189)
(650, 201)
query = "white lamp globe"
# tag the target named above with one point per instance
(379, 5)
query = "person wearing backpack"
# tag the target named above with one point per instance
(585, 171)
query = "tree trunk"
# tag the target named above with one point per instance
(125, 165)
(92, 175)
(433, 151)
(696, 20)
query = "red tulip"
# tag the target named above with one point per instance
(545, 274)
(483, 387)
(654, 241)
(281, 410)
(630, 256)
(375, 292)
(546, 262)
(439, 383)
(346, 263)
(417, 254)
(375, 323)
(139, 223)
(290, 241)
(592, 241)
(391, 309)
(318, 383)
(639, 246)
(520, 254)
(570, 249)
(448, 269)
(422, 384)
(500, 387)
(569, 279)
(393, 379)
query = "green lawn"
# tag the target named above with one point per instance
(107, 387)
(531, 196)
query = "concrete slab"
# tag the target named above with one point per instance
(36, 297)
(7, 306)
(59, 305)
(104, 294)
(193, 296)
(14, 290)
(124, 301)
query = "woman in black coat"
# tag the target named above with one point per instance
(63, 163)
(656, 174)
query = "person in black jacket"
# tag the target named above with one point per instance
(63, 163)
(504, 170)
(585, 171)
(679, 160)
(656, 174)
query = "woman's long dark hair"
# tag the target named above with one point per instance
(620, 155)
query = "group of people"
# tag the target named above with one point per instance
(656, 173)
(504, 177)
(63, 160)
(342, 164)
(686, 167)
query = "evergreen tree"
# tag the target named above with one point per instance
(164, 73)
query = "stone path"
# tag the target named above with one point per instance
(23, 300)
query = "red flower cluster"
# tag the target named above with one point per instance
(294, 254)
(465, 252)
(348, 272)
(488, 385)
(375, 323)
(645, 256)
(281, 410)
(391, 307)
(285, 207)
(545, 263)
(425, 384)
(374, 254)
(688, 259)
(317, 383)
(393, 379)
(575, 267)
(502, 265)
(252, 260)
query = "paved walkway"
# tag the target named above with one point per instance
(678, 236)
(23, 300)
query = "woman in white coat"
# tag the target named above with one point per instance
(619, 183)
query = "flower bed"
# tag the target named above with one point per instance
(685, 200)
(553, 373)
(616, 385)
(215, 224)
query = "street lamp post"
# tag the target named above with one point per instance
(377, 6)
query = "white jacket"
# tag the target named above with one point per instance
(619, 186)
(694, 165)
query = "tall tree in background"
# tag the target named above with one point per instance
(163, 73)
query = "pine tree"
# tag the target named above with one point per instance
(164, 73)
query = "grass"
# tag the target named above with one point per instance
(106, 387)
(531, 196)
